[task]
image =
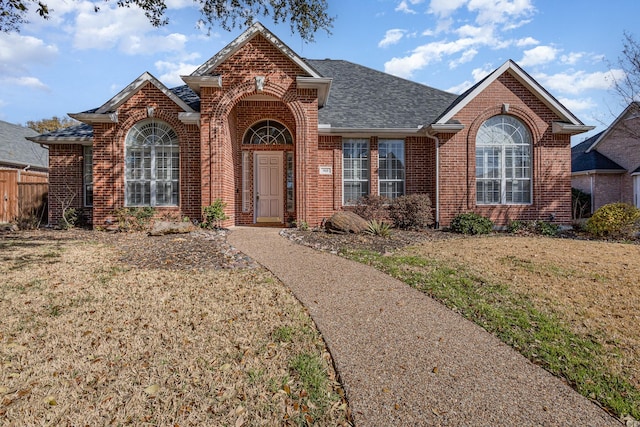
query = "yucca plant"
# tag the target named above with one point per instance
(379, 228)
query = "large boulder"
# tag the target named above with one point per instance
(161, 228)
(346, 222)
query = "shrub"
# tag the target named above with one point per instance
(213, 214)
(134, 219)
(533, 227)
(372, 208)
(70, 217)
(379, 228)
(618, 220)
(581, 203)
(411, 212)
(471, 223)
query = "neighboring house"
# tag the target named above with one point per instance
(280, 138)
(607, 165)
(18, 153)
(23, 172)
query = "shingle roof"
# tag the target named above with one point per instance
(364, 98)
(593, 160)
(15, 150)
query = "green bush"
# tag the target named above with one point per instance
(533, 227)
(213, 214)
(471, 223)
(372, 207)
(412, 212)
(617, 220)
(134, 219)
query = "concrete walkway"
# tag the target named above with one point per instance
(403, 358)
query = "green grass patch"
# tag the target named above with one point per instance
(538, 334)
(309, 368)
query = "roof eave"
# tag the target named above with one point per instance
(324, 129)
(595, 171)
(322, 84)
(440, 128)
(560, 128)
(79, 140)
(198, 82)
(92, 118)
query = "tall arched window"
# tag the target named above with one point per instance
(152, 165)
(503, 162)
(268, 132)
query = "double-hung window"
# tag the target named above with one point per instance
(503, 162)
(391, 175)
(152, 165)
(355, 170)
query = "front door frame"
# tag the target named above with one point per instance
(278, 186)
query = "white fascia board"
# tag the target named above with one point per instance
(633, 105)
(437, 128)
(569, 129)
(324, 129)
(197, 82)
(322, 84)
(599, 171)
(514, 69)
(134, 87)
(243, 39)
(189, 118)
(79, 140)
(91, 118)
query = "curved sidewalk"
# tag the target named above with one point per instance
(403, 358)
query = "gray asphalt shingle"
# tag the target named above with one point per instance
(15, 150)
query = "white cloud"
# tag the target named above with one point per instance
(509, 12)
(425, 55)
(527, 41)
(28, 82)
(467, 56)
(477, 74)
(391, 37)
(404, 7)
(444, 8)
(126, 29)
(171, 72)
(18, 53)
(538, 55)
(579, 81)
(572, 58)
(577, 104)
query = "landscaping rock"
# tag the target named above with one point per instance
(346, 222)
(161, 228)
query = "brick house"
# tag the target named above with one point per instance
(607, 165)
(280, 138)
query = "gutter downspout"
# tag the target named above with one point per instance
(592, 195)
(437, 142)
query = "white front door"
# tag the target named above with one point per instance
(269, 184)
(636, 190)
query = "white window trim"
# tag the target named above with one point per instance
(404, 166)
(368, 180)
(503, 176)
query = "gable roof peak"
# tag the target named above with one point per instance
(255, 29)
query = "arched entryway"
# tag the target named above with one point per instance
(268, 187)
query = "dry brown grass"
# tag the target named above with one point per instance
(594, 285)
(87, 340)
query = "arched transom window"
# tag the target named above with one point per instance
(152, 165)
(268, 132)
(503, 162)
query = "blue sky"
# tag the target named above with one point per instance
(79, 59)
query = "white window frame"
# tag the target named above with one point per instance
(147, 145)
(87, 175)
(495, 167)
(395, 146)
(246, 181)
(358, 175)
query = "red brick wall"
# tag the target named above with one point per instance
(551, 158)
(65, 180)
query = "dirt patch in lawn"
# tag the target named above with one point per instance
(100, 330)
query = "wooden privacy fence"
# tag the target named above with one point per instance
(22, 194)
